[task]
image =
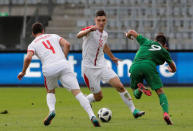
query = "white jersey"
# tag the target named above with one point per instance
(47, 48)
(92, 49)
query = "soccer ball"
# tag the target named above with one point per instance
(105, 114)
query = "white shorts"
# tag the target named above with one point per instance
(93, 77)
(66, 77)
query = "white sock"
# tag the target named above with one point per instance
(90, 98)
(51, 101)
(128, 100)
(85, 104)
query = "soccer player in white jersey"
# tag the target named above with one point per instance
(52, 50)
(94, 66)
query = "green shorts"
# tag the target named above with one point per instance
(145, 71)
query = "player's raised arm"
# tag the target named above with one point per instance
(131, 33)
(65, 46)
(84, 32)
(27, 61)
(108, 51)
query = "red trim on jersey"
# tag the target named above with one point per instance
(87, 27)
(44, 37)
(45, 83)
(96, 56)
(30, 51)
(100, 45)
(86, 81)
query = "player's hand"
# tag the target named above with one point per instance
(93, 28)
(20, 75)
(128, 35)
(131, 34)
(170, 70)
(116, 60)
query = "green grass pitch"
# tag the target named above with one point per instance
(27, 108)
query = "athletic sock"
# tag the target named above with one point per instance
(128, 100)
(90, 98)
(85, 104)
(51, 101)
(163, 102)
(137, 94)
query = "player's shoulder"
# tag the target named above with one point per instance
(141, 39)
(32, 43)
(54, 35)
(165, 51)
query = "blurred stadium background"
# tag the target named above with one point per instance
(67, 17)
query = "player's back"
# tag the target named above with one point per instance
(47, 48)
(151, 51)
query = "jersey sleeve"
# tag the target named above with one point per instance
(141, 39)
(88, 27)
(167, 57)
(58, 37)
(31, 48)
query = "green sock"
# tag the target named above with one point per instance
(163, 102)
(137, 94)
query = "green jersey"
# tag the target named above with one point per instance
(151, 51)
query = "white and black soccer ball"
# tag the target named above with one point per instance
(105, 114)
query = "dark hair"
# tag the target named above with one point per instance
(100, 13)
(161, 38)
(37, 28)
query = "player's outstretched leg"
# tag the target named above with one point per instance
(126, 97)
(86, 105)
(142, 88)
(164, 105)
(51, 101)
(128, 101)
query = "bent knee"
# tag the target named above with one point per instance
(51, 91)
(159, 91)
(120, 88)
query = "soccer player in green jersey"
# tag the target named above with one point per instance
(150, 54)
